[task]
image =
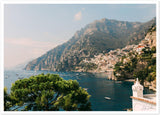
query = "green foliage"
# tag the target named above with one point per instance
(48, 93)
(141, 66)
(153, 49)
(151, 76)
(7, 100)
(141, 75)
(124, 68)
(89, 66)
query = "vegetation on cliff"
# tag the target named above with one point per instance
(140, 63)
(142, 66)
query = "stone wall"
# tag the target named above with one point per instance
(139, 105)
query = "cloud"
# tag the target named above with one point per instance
(78, 16)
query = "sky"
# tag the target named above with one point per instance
(30, 30)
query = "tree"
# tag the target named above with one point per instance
(141, 75)
(49, 93)
(7, 103)
(153, 49)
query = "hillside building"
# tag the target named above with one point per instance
(142, 102)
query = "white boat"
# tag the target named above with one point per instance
(77, 74)
(85, 89)
(107, 98)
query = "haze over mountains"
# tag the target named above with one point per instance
(100, 36)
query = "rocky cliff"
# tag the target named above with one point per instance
(101, 36)
(140, 62)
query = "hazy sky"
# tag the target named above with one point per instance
(31, 30)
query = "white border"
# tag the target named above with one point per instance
(157, 57)
(79, 1)
(74, 2)
(1, 56)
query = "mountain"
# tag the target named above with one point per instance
(100, 36)
(141, 31)
(139, 62)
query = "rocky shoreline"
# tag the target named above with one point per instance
(150, 85)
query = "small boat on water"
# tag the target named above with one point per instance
(107, 98)
(85, 89)
(77, 74)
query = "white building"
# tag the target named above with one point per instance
(142, 102)
(140, 48)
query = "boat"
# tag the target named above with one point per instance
(85, 89)
(107, 98)
(77, 74)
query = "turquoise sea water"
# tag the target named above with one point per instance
(98, 87)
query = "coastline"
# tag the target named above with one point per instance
(130, 80)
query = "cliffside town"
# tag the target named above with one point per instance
(106, 62)
(93, 41)
(125, 50)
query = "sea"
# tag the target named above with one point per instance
(97, 85)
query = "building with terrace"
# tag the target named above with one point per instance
(142, 102)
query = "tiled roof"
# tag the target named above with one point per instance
(143, 99)
(140, 46)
